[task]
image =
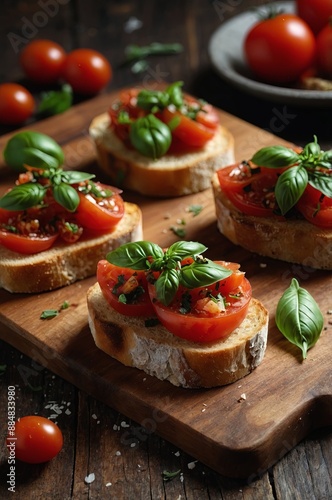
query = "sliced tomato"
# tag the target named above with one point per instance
(100, 213)
(203, 323)
(26, 244)
(315, 207)
(128, 284)
(251, 190)
(190, 132)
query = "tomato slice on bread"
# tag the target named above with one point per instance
(192, 297)
(205, 314)
(192, 122)
(126, 290)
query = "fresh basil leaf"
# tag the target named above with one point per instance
(55, 102)
(185, 249)
(202, 273)
(167, 285)
(22, 148)
(133, 52)
(23, 196)
(36, 158)
(327, 157)
(74, 177)
(290, 187)
(299, 318)
(152, 100)
(321, 182)
(175, 94)
(134, 255)
(311, 150)
(66, 196)
(275, 157)
(49, 314)
(150, 136)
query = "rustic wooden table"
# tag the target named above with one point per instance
(126, 462)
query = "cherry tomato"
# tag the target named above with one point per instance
(278, 50)
(188, 131)
(250, 190)
(37, 439)
(117, 281)
(324, 50)
(100, 213)
(316, 13)
(42, 61)
(204, 322)
(315, 207)
(16, 104)
(26, 244)
(87, 71)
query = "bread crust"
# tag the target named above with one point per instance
(64, 264)
(169, 176)
(183, 363)
(295, 241)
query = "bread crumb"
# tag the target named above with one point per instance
(192, 465)
(177, 453)
(124, 424)
(108, 484)
(243, 397)
(118, 453)
(263, 265)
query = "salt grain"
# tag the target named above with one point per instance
(90, 478)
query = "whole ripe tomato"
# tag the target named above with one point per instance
(16, 104)
(87, 71)
(316, 13)
(324, 50)
(279, 49)
(42, 61)
(37, 439)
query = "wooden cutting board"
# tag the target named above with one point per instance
(239, 430)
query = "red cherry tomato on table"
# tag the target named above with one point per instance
(279, 49)
(42, 61)
(132, 285)
(16, 104)
(38, 439)
(324, 50)
(316, 13)
(87, 71)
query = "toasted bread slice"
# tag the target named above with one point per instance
(170, 175)
(64, 264)
(295, 241)
(159, 353)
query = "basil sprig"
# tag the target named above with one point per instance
(33, 149)
(30, 194)
(46, 175)
(311, 166)
(156, 100)
(299, 318)
(143, 255)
